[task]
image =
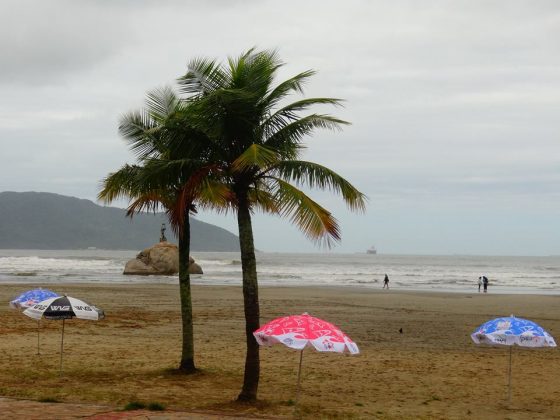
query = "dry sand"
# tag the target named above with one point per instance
(431, 370)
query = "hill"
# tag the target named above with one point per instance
(37, 220)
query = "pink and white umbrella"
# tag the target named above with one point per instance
(300, 331)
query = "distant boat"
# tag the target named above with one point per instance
(371, 250)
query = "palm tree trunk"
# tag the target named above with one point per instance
(250, 300)
(187, 356)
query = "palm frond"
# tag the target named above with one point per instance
(142, 134)
(215, 195)
(254, 71)
(165, 172)
(264, 201)
(318, 176)
(255, 156)
(161, 103)
(148, 202)
(312, 219)
(290, 111)
(288, 138)
(119, 184)
(203, 76)
(294, 84)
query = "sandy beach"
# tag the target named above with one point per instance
(430, 370)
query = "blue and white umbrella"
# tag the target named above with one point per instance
(510, 331)
(30, 298)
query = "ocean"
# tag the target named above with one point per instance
(534, 275)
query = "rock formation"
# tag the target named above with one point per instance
(160, 259)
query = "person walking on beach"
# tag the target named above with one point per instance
(386, 282)
(485, 283)
(479, 283)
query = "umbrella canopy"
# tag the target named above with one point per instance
(511, 330)
(32, 297)
(64, 307)
(299, 331)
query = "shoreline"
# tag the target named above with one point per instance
(492, 290)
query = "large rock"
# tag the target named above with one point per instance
(160, 259)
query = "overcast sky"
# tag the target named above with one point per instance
(454, 105)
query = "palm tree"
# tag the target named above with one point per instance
(166, 179)
(256, 143)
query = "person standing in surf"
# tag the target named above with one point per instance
(386, 282)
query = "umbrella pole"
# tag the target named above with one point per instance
(299, 377)
(509, 375)
(61, 346)
(38, 332)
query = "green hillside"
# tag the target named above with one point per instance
(33, 220)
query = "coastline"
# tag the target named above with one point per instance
(430, 370)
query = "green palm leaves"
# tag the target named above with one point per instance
(173, 170)
(261, 142)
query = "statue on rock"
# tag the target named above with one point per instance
(160, 259)
(162, 237)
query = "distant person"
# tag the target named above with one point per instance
(386, 282)
(485, 283)
(479, 283)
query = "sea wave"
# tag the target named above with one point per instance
(360, 270)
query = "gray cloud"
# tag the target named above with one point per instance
(453, 104)
(45, 42)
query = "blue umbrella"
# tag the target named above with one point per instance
(30, 298)
(509, 331)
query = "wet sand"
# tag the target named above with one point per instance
(430, 370)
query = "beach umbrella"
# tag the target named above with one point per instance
(63, 308)
(300, 331)
(30, 298)
(510, 331)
